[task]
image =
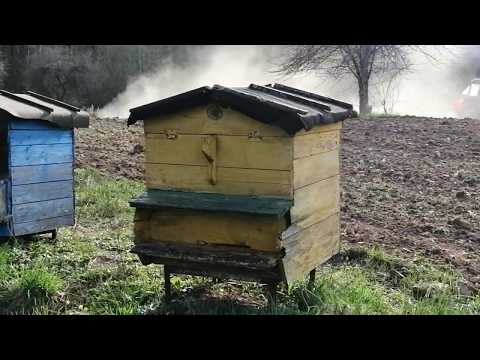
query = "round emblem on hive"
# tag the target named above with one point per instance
(214, 112)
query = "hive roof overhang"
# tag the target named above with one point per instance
(278, 105)
(33, 106)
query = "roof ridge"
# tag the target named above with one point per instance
(312, 95)
(289, 96)
(25, 101)
(53, 101)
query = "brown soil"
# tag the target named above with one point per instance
(111, 147)
(409, 185)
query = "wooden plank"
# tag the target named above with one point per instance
(22, 194)
(141, 225)
(229, 180)
(309, 248)
(314, 203)
(196, 121)
(40, 137)
(42, 210)
(41, 173)
(210, 255)
(41, 154)
(321, 128)
(213, 202)
(3, 200)
(33, 227)
(19, 124)
(311, 169)
(232, 151)
(315, 143)
(202, 228)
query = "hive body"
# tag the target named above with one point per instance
(36, 192)
(250, 164)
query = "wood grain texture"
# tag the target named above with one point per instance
(311, 169)
(207, 256)
(42, 210)
(272, 153)
(213, 202)
(304, 250)
(41, 173)
(315, 143)
(22, 194)
(229, 180)
(38, 226)
(321, 128)
(314, 203)
(40, 137)
(41, 154)
(196, 121)
(203, 228)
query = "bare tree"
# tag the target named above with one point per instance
(388, 93)
(360, 61)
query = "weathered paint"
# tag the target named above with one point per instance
(251, 159)
(40, 195)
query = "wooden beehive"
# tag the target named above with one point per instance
(36, 163)
(242, 181)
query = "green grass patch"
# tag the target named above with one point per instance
(89, 270)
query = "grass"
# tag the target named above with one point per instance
(89, 270)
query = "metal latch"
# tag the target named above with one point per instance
(171, 134)
(254, 135)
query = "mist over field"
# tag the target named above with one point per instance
(232, 65)
(429, 89)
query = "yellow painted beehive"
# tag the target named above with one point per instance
(241, 182)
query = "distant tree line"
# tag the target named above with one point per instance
(83, 75)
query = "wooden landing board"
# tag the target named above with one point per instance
(201, 228)
(306, 249)
(229, 180)
(196, 121)
(274, 153)
(210, 255)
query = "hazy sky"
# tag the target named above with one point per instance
(427, 91)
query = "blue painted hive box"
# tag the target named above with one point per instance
(36, 163)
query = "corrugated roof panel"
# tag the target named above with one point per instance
(33, 106)
(278, 105)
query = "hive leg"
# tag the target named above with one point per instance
(54, 234)
(272, 293)
(311, 279)
(168, 286)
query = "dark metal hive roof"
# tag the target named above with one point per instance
(33, 106)
(278, 105)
